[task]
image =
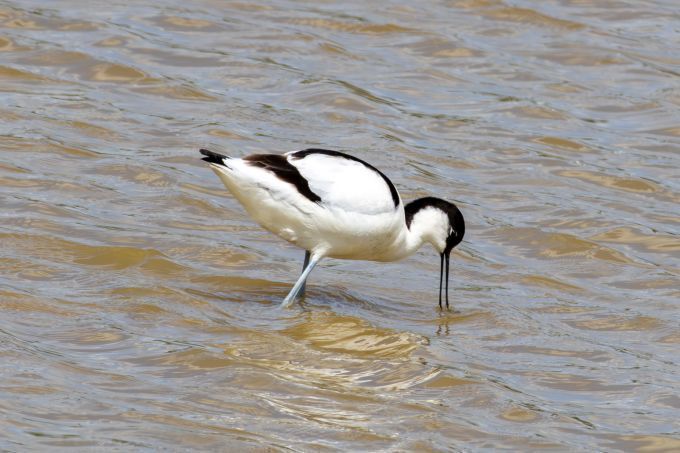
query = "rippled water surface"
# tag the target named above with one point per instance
(138, 302)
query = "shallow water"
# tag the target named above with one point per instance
(138, 303)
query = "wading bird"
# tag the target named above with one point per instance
(335, 205)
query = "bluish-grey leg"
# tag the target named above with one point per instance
(301, 281)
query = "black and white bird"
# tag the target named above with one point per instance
(335, 205)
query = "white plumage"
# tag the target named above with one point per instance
(334, 205)
(345, 184)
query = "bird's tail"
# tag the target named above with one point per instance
(214, 158)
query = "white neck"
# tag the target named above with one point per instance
(428, 225)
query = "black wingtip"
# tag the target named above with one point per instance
(212, 157)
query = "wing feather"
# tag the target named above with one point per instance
(345, 182)
(284, 170)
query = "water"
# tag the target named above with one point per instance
(139, 302)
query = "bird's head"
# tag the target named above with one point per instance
(441, 224)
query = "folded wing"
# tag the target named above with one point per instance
(344, 182)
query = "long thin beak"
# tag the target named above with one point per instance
(447, 281)
(445, 259)
(441, 278)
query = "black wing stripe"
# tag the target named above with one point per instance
(306, 152)
(283, 170)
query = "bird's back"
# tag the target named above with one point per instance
(344, 182)
(317, 199)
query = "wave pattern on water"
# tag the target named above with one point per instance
(138, 301)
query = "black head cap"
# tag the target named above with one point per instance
(456, 221)
(454, 235)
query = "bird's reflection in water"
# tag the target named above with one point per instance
(443, 325)
(447, 317)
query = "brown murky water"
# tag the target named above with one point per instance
(138, 303)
